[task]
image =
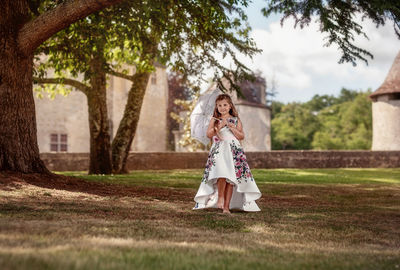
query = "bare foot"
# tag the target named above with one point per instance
(226, 211)
(220, 203)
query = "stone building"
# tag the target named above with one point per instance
(255, 115)
(386, 111)
(62, 123)
(253, 112)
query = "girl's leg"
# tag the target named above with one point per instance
(221, 192)
(228, 197)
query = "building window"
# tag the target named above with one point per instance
(154, 78)
(58, 142)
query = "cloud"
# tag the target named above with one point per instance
(303, 66)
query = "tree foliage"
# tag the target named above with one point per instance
(185, 35)
(186, 140)
(345, 125)
(339, 20)
(188, 35)
(324, 122)
(293, 127)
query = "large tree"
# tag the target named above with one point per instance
(24, 25)
(182, 34)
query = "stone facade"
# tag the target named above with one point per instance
(256, 122)
(69, 116)
(63, 115)
(386, 111)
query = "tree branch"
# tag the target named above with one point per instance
(74, 83)
(119, 74)
(35, 32)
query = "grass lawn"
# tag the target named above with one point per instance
(310, 219)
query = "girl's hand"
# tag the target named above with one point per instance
(217, 133)
(221, 124)
(231, 126)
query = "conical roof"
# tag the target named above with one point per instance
(392, 82)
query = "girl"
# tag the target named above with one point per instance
(227, 182)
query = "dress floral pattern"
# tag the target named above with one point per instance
(226, 159)
(211, 159)
(242, 169)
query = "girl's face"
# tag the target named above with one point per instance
(223, 107)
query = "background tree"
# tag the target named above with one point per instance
(317, 103)
(24, 25)
(293, 127)
(185, 35)
(346, 125)
(178, 89)
(325, 122)
(187, 141)
(271, 93)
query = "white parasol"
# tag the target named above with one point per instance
(201, 116)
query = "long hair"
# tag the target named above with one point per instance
(226, 97)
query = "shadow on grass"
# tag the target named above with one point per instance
(301, 225)
(12, 180)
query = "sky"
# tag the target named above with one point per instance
(302, 67)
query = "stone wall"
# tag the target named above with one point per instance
(272, 159)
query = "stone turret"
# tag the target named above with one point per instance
(386, 111)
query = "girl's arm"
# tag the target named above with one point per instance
(238, 130)
(211, 130)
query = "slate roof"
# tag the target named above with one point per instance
(391, 85)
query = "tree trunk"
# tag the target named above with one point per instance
(19, 37)
(122, 142)
(100, 150)
(19, 150)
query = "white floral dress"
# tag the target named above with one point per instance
(227, 160)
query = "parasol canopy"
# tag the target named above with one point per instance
(201, 116)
